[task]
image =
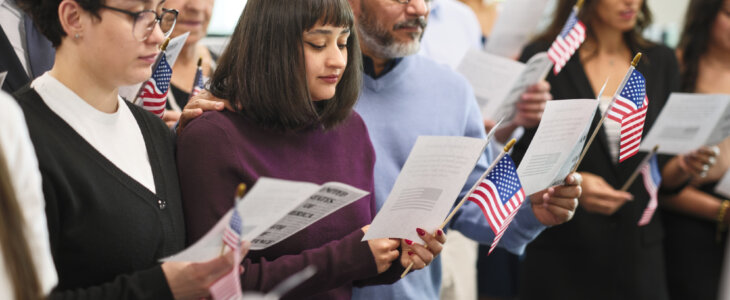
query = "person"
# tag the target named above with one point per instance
(624, 261)
(291, 73)
(193, 17)
(108, 170)
(694, 218)
(26, 266)
(452, 30)
(406, 96)
(24, 52)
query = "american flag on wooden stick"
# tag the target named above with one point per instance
(228, 287)
(629, 109)
(567, 42)
(500, 196)
(153, 96)
(652, 179)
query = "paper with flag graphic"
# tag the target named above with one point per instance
(172, 52)
(567, 42)
(688, 122)
(427, 186)
(273, 210)
(557, 144)
(500, 196)
(228, 287)
(629, 109)
(499, 82)
(516, 24)
(652, 179)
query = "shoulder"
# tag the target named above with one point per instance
(147, 119)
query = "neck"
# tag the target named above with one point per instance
(79, 78)
(378, 62)
(606, 40)
(188, 54)
(718, 57)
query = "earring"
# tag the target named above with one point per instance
(77, 36)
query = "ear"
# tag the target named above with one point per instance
(71, 16)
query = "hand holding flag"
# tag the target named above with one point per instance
(228, 287)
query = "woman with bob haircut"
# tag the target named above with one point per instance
(292, 73)
(696, 219)
(108, 170)
(602, 253)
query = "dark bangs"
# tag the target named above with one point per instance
(262, 70)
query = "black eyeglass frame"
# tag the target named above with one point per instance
(158, 18)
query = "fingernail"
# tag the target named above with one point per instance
(440, 232)
(409, 242)
(420, 231)
(410, 253)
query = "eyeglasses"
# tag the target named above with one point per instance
(146, 20)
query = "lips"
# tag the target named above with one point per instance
(149, 58)
(628, 14)
(330, 78)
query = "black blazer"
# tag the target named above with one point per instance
(596, 256)
(9, 61)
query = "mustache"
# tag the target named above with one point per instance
(420, 22)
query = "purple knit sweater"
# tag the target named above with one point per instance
(219, 150)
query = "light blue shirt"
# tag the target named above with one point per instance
(420, 97)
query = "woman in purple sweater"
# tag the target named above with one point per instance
(292, 72)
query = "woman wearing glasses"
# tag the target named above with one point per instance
(109, 176)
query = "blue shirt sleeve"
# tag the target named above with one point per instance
(470, 220)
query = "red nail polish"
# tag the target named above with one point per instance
(440, 232)
(420, 231)
(410, 253)
(409, 242)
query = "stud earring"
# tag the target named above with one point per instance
(77, 36)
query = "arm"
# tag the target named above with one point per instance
(697, 203)
(207, 186)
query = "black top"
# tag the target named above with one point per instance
(595, 256)
(107, 231)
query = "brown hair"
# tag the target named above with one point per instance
(45, 15)
(262, 71)
(695, 38)
(564, 8)
(16, 252)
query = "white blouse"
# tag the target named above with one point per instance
(612, 128)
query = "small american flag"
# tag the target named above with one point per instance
(629, 109)
(198, 84)
(154, 92)
(652, 179)
(228, 287)
(569, 39)
(500, 196)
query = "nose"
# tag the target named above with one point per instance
(195, 5)
(418, 8)
(336, 58)
(156, 36)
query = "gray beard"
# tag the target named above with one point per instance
(381, 42)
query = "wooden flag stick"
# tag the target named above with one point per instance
(240, 192)
(608, 108)
(638, 169)
(163, 47)
(473, 188)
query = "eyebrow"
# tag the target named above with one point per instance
(327, 31)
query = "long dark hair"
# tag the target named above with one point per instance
(695, 39)
(564, 8)
(262, 71)
(16, 252)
